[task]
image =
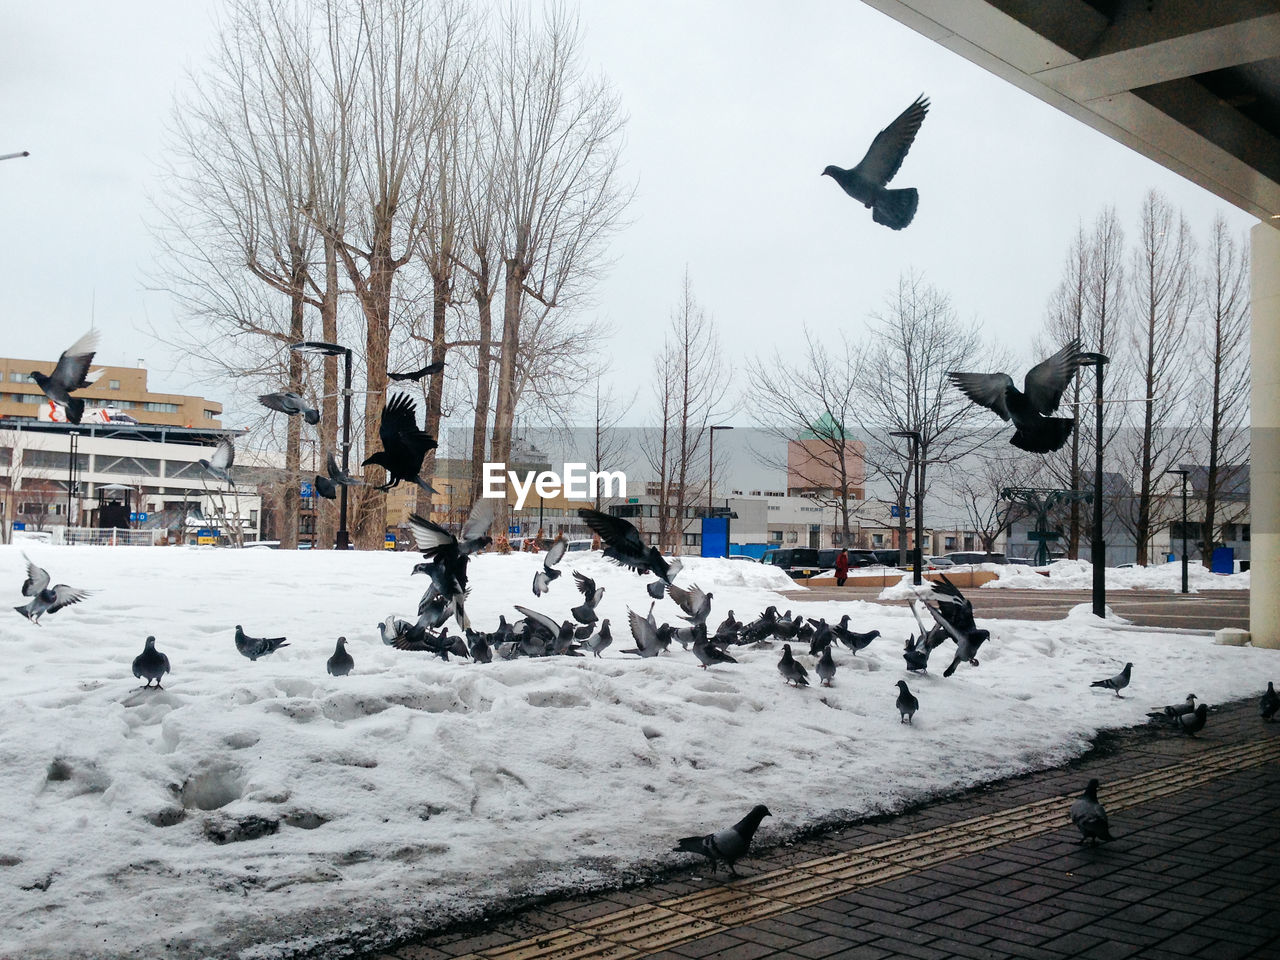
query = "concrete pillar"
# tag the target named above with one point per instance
(1264, 469)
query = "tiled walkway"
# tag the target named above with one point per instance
(1194, 872)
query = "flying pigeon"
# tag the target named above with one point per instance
(625, 547)
(255, 647)
(727, 846)
(290, 403)
(450, 555)
(221, 460)
(1029, 408)
(393, 628)
(695, 603)
(791, 669)
(1193, 722)
(1089, 816)
(603, 637)
(403, 445)
(957, 621)
(1269, 705)
(69, 374)
(44, 598)
(706, 651)
(866, 182)
(826, 666)
(340, 664)
(150, 663)
(328, 486)
(1116, 683)
(645, 634)
(906, 703)
(592, 595)
(428, 370)
(542, 578)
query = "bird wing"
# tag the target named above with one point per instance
(644, 633)
(37, 578)
(480, 519)
(540, 619)
(281, 402)
(429, 536)
(555, 553)
(75, 361)
(1048, 380)
(891, 144)
(684, 598)
(586, 586)
(224, 455)
(616, 532)
(985, 389)
(64, 596)
(946, 625)
(399, 431)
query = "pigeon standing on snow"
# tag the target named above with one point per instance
(907, 703)
(150, 663)
(221, 461)
(44, 598)
(1193, 722)
(706, 651)
(855, 641)
(340, 664)
(1029, 408)
(625, 547)
(1269, 705)
(542, 578)
(867, 181)
(1089, 816)
(603, 637)
(791, 669)
(255, 647)
(826, 666)
(69, 374)
(727, 846)
(1116, 683)
(404, 446)
(291, 404)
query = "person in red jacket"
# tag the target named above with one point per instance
(842, 568)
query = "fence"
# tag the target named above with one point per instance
(111, 536)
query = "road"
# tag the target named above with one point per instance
(1206, 610)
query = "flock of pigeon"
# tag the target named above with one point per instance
(535, 634)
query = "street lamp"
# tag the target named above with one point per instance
(917, 557)
(73, 445)
(1098, 547)
(321, 348)
(1183, 473)
(14, 156)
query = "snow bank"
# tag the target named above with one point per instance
(253, 809)
(1078, 575)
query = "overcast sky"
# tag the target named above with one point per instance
(734, 109)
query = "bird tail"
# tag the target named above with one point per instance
(896, 208)
(952, 669)
(75, 409)
(692, 845)
(657, 589)
(1100, 683)
(313, 416)
(1048, 435)
(424, 485)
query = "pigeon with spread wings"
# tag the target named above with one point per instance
(221, 461)
(867, 181)
(1028, 408)
(70, 373)
(625, 546)
(404, 446)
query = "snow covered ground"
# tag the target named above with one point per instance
(1078, 575)
(266, 809)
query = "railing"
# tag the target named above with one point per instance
(112, 536)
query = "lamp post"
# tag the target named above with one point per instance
(917, 554)
(1098, 547)
(14, 156)
(73, 446)
(321, 348)
(1182, 472)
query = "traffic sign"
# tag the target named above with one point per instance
(389, 542)
(513, 530)
(307, 490)
(895, 511)
(19, 525)
(1047, 535)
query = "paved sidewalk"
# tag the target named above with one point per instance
(994, 873)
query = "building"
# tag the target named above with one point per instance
(814, 460)
(121, 388)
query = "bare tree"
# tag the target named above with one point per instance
(1164, 296)
(978, 494)
(556, 136)
(903, 386)
(607, 445)
(814, 404)
(1224, 341)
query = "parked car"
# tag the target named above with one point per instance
(798, 562)
(973, 556)
(576, 546)
(888, 558)
(941, 563)
(742, 556)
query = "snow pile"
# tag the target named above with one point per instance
(269, 804)
(1078, 575)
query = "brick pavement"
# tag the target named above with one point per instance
(993, 873)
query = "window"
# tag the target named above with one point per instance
(949, 543)
(775, 536)
(29, 397)
(690, 539)
(877, 539)
(113, 384)
(792, 537)
(211, 414)
(16, 377)
(157, 407)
